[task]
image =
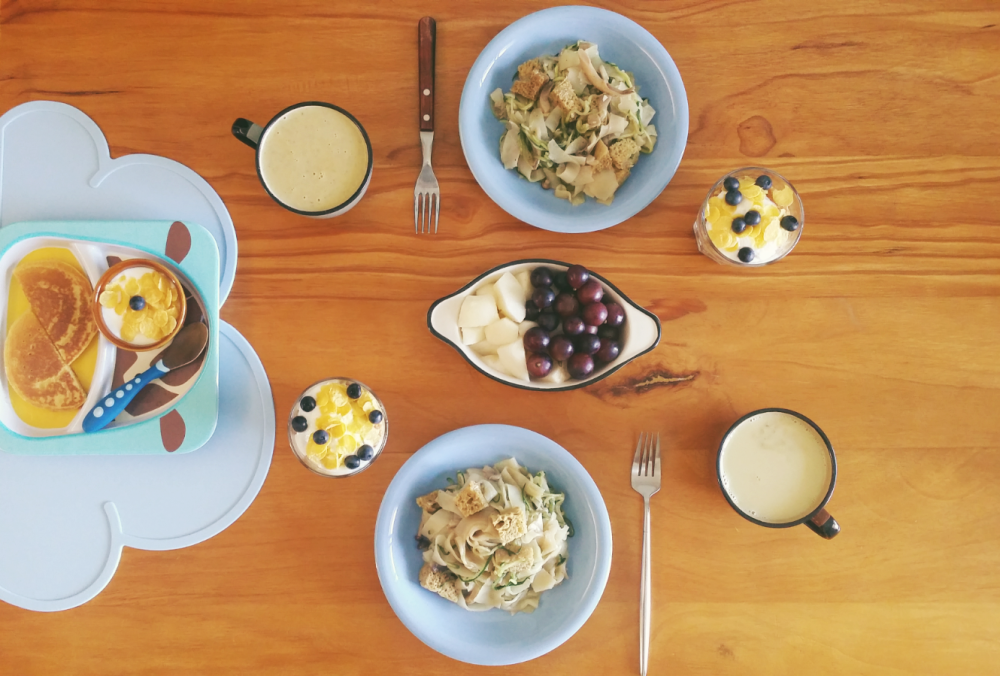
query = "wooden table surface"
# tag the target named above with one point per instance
(883, 326)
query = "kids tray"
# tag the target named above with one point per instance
(175, 414)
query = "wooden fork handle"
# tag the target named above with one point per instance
(426, 39)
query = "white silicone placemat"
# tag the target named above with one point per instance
(64, 520)
(55, 166)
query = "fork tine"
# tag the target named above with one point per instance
(437, 211)
(647, 464)
(656, 464)
(416, 214)
(637, 462)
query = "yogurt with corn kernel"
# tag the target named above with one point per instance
(337, 427)
(141, 306)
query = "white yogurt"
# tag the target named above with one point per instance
(771, 250)
(113, 320)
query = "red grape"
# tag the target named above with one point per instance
(539, 365)
(591, 292)
(595, 314)
(561, 348)
(548, 320)
(543, 298)
(609, 332)
(536, 339)
(616, 314)
(580, 366)
(608, 352)
(577, 276)
(573, 326)
(541, 277)
(531, 310)
(586, 343)
(590, 328)
(561, 282)
(567, 305)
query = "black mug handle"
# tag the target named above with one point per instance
(823, 524)
(247, 132)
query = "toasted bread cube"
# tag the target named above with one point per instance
(470, 499)
(441, 582)
(602, 157)
(428, 502)
(510, 524)
(514, 564)
(623, 153)
(530, 87)
(565, 97)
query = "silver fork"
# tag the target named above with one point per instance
(427, 193)
(646, 482)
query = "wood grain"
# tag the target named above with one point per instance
(883, 326)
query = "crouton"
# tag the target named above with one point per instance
(565, 97)
(623, 153)
(428, 502)
(622, 174)
(441, 582)
(470, 499)
(531, 79)
(510, 524)
(516, 563)
(602, 158)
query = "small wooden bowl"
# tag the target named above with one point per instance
(109, 277)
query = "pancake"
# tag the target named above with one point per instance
(60, 297)
(36, 371)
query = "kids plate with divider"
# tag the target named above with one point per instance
(57, 366)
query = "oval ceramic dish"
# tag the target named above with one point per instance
(621, 41)
(641, 332)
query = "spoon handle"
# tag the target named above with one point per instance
(115, 402)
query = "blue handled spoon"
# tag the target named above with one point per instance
(185, 348)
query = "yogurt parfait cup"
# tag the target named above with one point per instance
(750, 218)
(337, 427)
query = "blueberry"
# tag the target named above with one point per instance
(745, 254)
(321, 437)
(752, 217)
(307, 404)
(790, 223)
(300, 424)
(734, 197)
(739, 225)
(375, 417)
(731, 183)
(352, 462)
(353, 390)
(137, 303)
(763, 182)
(366, 452)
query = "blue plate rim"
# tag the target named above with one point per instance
(648, 42)
(594, 590)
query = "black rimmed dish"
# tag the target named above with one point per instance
(818, 519)
(256, 137)
(641, 331)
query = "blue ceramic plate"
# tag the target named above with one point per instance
(493, 637)
(621, 41)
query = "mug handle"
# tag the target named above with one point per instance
(823, 524)
(247, 132)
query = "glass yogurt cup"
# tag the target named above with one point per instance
(750, 218)
(337, 427)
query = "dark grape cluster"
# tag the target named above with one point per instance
(576, 325)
